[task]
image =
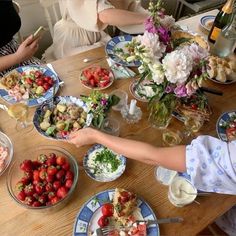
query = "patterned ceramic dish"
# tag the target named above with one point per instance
(48, 105)
(116, 43)
(222, 122)
(206, 22)
(103, 172)
(31, 102)
(86, 220)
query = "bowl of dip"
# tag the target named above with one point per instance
(181, 192)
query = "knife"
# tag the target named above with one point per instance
(162, 221)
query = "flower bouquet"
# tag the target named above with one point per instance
(172, 67)
(99, 104)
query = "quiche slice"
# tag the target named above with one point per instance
(124, 203)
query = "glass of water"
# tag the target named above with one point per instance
(111, 126)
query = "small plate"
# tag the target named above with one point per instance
(119, 42)
(101, 177)
(65, 100)
(225, 117)
(33, 101)
(207, 21)
(86, 220)
(111, 76)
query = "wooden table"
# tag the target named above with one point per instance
(138, 177)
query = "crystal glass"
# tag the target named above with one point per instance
(20, 111)
(123, 96)
(111, 126)
(171, 137)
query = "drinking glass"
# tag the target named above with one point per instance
(192, 124)
(20, 111)
(123, 96)
(171, 137)
(111, 126)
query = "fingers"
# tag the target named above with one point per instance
(29, 40)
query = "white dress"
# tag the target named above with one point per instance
(211, 164)
(79, 29)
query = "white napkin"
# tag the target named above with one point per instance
(119, 71)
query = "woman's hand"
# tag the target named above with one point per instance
(82, 137)
(27, 49)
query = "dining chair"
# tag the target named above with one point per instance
(52, 12)
(17, 8)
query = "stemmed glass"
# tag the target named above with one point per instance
(193, 124)
(20, 112)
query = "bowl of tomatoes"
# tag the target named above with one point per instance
(43, 179)
(96, 77)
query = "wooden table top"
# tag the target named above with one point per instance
(138, 177)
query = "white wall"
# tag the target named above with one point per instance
(32, 16)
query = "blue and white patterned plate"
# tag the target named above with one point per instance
(33, 101)
(119, 42)
(206, 22)
(39, 113)
(223, 119)
(101, 177)
(86, 220)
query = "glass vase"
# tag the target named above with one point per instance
(160, 111)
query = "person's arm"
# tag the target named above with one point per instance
(171, 158)
(24, 52)
(118, 17)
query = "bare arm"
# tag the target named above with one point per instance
(171, 158)
(24, 52)
(118, 17)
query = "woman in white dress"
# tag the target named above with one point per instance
(210, 162)
(83, 21)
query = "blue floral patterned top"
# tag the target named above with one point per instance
(211, 164)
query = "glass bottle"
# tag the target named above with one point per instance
(221, 20)
(226, 42)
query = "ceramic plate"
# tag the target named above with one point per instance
(224, 118)
(86, 220)
(119, 42)
(33, 101)
(39, 113)
(101, 177)
(83, 78)
(226, 82)
(207, 21)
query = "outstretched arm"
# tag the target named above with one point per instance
(171, 158)
(118, 17)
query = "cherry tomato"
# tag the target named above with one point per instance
(107, 209)
(46, 86)
(103, 221)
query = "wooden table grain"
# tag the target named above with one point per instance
(138, 177)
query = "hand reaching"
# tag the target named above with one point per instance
(27, 49)
(82, 137)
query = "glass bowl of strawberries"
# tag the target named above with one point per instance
(44, 178)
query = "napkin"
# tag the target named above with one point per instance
(119, 71)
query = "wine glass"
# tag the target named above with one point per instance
(20, 112)
(171, 137)
(192, 124)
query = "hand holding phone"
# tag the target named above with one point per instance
(39, 32)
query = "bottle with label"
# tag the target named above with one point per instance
(221, 20)
(226, 42)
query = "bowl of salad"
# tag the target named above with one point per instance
(32, 83)
(103, 165)
(57, 119)
(226, 126)
(96, 77)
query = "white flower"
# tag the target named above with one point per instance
(177, 66)
(195, 51)
(141, 69)
(152, 43)
(157, 72)
(167, 22)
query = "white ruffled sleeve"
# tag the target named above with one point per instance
(211, 164)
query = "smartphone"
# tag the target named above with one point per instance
(39, 32)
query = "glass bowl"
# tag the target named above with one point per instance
(15, 175)
(5, 142)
